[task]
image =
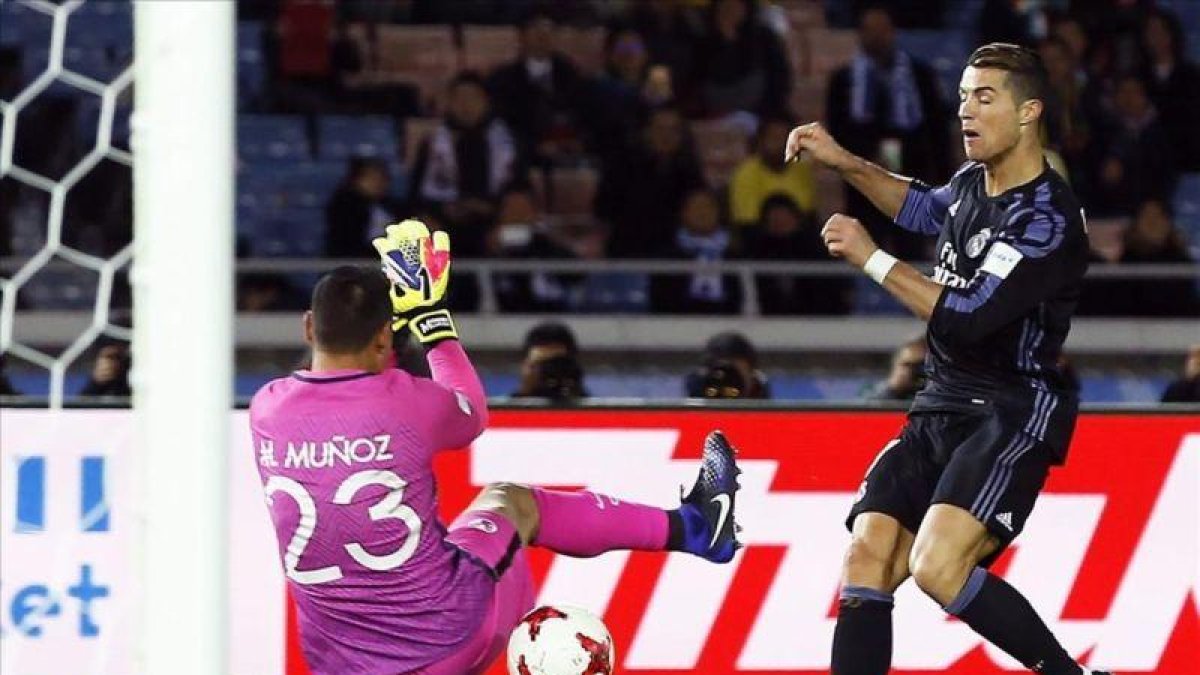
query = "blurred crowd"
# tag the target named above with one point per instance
(675, 134)
(655, 128)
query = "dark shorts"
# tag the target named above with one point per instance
(982, 461)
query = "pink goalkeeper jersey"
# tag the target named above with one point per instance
(345, 458)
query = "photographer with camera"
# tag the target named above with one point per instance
(730, 370)
(550, 368)
(906, 376)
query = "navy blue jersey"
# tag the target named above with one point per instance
(1012, 266)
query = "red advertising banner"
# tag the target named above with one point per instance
(1109, 557)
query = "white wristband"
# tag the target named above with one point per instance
(879, 264)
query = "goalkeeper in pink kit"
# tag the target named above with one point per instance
(345, 453)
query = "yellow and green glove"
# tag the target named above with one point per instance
(418, 265)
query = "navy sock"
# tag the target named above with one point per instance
(862, 641)
(999, 612)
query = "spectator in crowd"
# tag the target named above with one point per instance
(740, 63)
(640, 195)
(358, 210)
(538, 95)
(1152, 238)
(1066, 125)
(671, 31)
(268, 293)
(1134, 155)
(465, 165)
(701, 237)
(110, 372)
(1013, 21)
(6, 386)
(1187, 388)
(550, 365)
(765, 173)
(906, 376)
(521, 233)
(621, 95)
(1173, 85)
(729, 369)
(785, 233)
(887, 107)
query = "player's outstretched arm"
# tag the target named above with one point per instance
(846, 238)
(886, 190)
(418, 265)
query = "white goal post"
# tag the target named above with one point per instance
(182, 278)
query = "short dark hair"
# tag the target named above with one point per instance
(349, 306)
(357, 165)
(550, 333)
(730, 345)
(1027, 76)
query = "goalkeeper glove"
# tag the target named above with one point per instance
(418, 265)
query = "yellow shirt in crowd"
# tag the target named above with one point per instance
(753, 183)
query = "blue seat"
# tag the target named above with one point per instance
(1187, 11)
(290, 232)
(251, 63)
(1186, 204)
(871, 300)
(280, 138)
(61, 289)
(99, 63)
(963, 14)
(616, 293)
(96, 29)
(342, 136)
(309, 184)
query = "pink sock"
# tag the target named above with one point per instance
(584, 524)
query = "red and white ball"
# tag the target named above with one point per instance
(560, 640)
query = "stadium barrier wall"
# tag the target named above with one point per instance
(1109, 557)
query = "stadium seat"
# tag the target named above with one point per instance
(486, 47)
(340, 137)
(423, 56)
(251, 63)
(22, 26)
(272, 137)
(64, 289)
(871, 300)
(290, 232)
(1186, 205)
(1187, 11)
(99, 63)
(112, 29)
(963, 14)
(616, 293)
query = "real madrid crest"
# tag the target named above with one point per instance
(976, 243)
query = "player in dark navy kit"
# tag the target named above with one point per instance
(941, 501)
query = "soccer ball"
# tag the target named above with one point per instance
(560, 640)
